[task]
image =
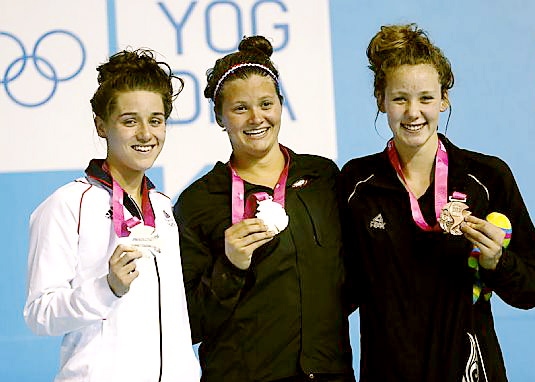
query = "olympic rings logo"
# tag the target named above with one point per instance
(44, 67)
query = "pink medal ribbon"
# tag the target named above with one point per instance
(241, 210)
(441, 185)
(121, 225)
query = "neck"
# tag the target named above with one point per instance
(130, 183)
(263, 171)
(418, 166)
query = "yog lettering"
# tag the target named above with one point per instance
(260, 13)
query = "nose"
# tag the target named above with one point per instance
(255, 116)
(143, 133)
(413, 110)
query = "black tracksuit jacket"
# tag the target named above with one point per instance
(284, 315)
(414, 288)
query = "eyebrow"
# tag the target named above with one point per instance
(403, 93)
(246, 101)
(126, 113)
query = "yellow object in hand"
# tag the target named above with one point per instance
(500, 220)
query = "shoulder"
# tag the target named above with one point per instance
(485, 161)
(487, 176)
(364, 166)
(479, 164)
(372, 170)
(159, 197)
(70, 192)
(310, 163)
(64, 200)
(203, 194)
(215, 180)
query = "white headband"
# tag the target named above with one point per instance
(236, 67)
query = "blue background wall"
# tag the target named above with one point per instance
(491, 45)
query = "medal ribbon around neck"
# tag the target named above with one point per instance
(241, 210)
(441, 184)
(121, 225)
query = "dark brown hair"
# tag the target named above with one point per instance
(130, 71)
(255, 51)
(396, 45)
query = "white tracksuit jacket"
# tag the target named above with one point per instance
(142, 336)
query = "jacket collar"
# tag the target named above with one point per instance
(220, 179)
(385, 176)
(95, 171)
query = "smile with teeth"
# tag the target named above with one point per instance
(413, 127)
(259, 131)
(143, 149)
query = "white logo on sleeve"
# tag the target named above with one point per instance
(377, 222)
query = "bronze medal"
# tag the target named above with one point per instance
(452, 215)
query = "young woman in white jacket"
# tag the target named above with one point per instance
(104, 268)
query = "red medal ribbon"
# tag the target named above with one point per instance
(441, 184)
(241, 210)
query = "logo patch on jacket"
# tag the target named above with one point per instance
(169, 219)
(378, 222)
(300, 183)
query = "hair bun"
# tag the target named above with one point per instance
(392, 38)
(136, 61)
(256, 43)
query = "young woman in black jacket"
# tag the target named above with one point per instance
(425, 258)
(260, 241)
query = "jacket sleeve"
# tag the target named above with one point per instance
(53, 306)
(349, 237)
(514, 277)
(213, 284)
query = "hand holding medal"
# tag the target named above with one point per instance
(243, 238)
(122, 268)
(453, 214)
(247, 234)
(142, 242)
(144, 238)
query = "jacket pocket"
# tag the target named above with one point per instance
(323, 216)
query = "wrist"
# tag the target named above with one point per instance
(111, 287)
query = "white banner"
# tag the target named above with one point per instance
(48, 76)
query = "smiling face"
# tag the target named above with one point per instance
(413, 101)
(251, 114)
(135, 133)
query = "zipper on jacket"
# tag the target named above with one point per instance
(138, 210)
(159, 316)
(311, 220)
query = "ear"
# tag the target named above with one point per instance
(445, 102)
(381, 107)
(99, 125)
(218, 118)
(380, 101)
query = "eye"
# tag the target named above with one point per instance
(130, 122)
(427, 98)
(156, 122)
(267, 104)
(399, 99)
(240, 108)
